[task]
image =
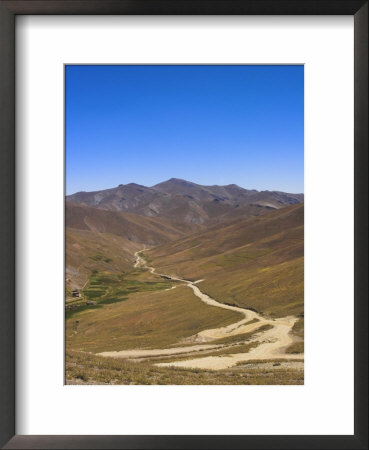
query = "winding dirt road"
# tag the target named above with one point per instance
(271, 342)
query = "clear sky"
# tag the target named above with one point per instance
(206, 124)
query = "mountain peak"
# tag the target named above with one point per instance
(174, 183)
(179, 199)
(177, 181)
(131, 184)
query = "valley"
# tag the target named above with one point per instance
(271, 340)
(188, 295)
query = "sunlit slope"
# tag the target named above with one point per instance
(105, 240)
(148, 230)
(98, 240)
(255, 263)
(144, 320)
(86, 252)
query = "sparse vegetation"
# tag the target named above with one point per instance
(82, 260)
(144, 321)
(243, 261)
(296, 348)
(100, 257)
(243, 337)
(232, 349)
(256, 263)
(84, 368)
(298, 330)
(298, 327)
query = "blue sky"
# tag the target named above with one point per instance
(206, 124)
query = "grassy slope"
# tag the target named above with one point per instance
(106, 240)
(87, 251)
(148, 230)
(144, 320)
(82, 368)
(105, 288)
(255, 263)
(298, 331)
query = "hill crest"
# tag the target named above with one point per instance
(185, 201)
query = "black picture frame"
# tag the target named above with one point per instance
(8, 12)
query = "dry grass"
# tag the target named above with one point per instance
(146, 320)
(296, 348)
(275, 290)
(256, 263)
(298, 331)
(82, 368)
(298, 328)
(227, 346)
(243, 337)
(227, 350)
(87, 252)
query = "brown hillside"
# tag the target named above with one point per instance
(254, 263)
(86, 251)
(144, 230)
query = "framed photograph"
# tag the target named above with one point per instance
(178, 282)
(184, 224)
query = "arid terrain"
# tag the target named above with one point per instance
(184, 284)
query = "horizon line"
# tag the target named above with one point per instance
(190, 182)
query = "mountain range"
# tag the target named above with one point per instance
(185, 202)
(193, 231)
(132, 252)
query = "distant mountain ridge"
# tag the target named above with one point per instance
(182, 200)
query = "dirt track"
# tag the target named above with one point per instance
(272, 342)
